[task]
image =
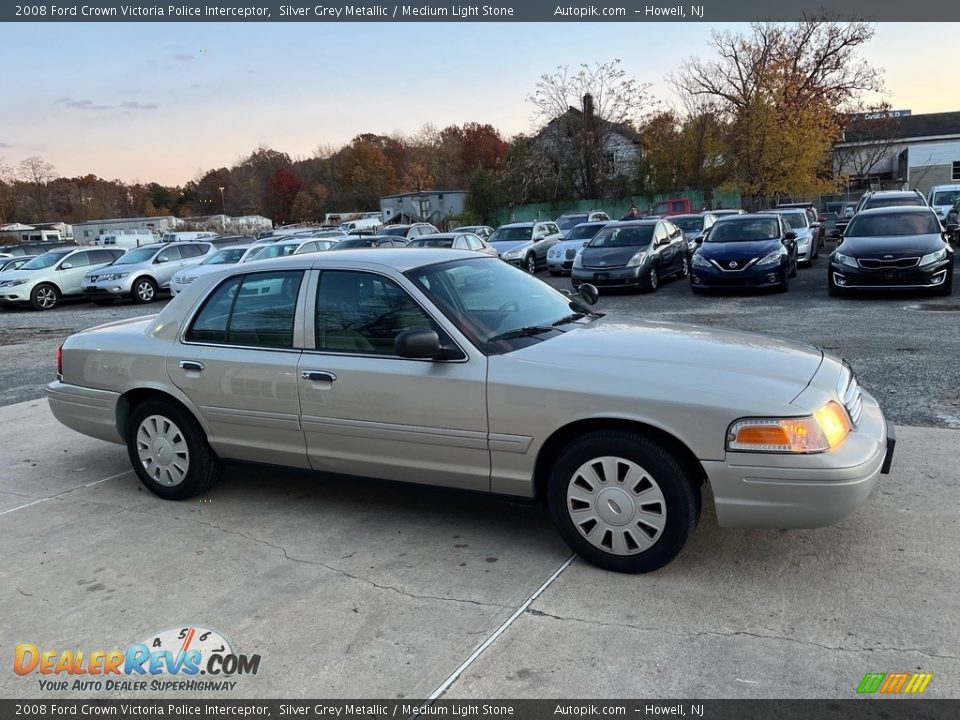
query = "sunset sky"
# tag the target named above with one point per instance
(164, 102)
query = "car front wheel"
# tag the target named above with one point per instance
(144, 290)
(622, 501)
(169, 451)
(653, 279)
(531, 264)
(44, 297)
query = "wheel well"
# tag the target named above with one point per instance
(47, 282)
(129, 401)
(567, 434)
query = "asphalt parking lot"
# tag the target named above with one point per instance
(352, 588)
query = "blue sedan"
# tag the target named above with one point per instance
(745, 251)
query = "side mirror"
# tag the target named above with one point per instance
(662, 242)
(66, 266)
(699, 239)
(588, 293)
(790, 236)
(160, 260)
(816, 225)
(423, 345)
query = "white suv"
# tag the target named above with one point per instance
(55, 274)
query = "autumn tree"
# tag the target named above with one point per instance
(310, 204)
(581, 112)
(282, 190)
(783, 90)
(366, 174)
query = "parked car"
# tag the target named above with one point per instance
(52, 276)
(815, 227)
(667, 208)
(694, 225)
(480, 370)
(633, 253)
(525, 244)
(568, 221)
(560, 256)
(808, 233)
(481, 231)
(456, 241)
(370, 241)
(228, 240)
(12, 263)
(128, 240)
(143, 273)
(890, 198)
(211, 263)
(186, 236)
(749, 251)
(368, 224)
(409, 231)
(942, 198)
(35, 248)
(895, 247)
(723, 212)
(952, 222)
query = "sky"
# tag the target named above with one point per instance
(165, 102)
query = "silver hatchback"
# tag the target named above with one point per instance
(445, 367)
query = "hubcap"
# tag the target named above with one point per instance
(616, 505)
(46, 297)
(686, 268)
(653, 278)
(145, 291)
(531, 264)
(162, 449)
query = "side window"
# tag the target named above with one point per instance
(539, 232)
(361, 312)
(460, 243)
(170, 254)
(675, 232)
(192, 251)
(255, 310)
(308, 248)
(659, 233)
(81, 259)
(473, 242)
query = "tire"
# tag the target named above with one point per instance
(530, 264)
(45, 297)
(793, 270)
(169, 451)
(684, 268)
(653, 280)
(103, 303)
(619, 533)
(144, 290)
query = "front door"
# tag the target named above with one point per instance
(366, 411)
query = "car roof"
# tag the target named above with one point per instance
(399, 259)
(890, 210)
(691, 216)
(894, 193)
(521, 224)
(631, 223)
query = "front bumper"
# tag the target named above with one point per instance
(15, 295)
(86, 410)
(752, 277)
(613, 277)
(756, 490)
(559, 265)
(108, 288)
(932, 276)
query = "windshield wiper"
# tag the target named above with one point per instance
(528, 331)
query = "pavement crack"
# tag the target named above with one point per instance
(705, 633)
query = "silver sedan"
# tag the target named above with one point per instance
(448, 368)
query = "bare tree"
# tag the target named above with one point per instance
(869, 138)
(37, 172)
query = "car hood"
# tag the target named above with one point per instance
(16, 274)
(564, 244)
(609, 257)
(751, 249)
(505, 246)
(617, 352)
(897, 245)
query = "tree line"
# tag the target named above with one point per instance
(760, 113)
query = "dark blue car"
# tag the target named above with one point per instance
(745, 251)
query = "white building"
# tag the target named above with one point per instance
(86, 232)
(432, 206)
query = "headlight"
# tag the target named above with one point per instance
(578, 260)
(554, 252)
(700, 261)
(826, 428)
(638, 259)
(846, 260)
(770, 259)
(934, 257)
(510, 254)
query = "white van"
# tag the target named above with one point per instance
(942, 198)
(363, 225)
(126, 240)
(186, 236)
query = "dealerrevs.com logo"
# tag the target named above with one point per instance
(189, 659)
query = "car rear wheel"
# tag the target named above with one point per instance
(45, 297)
(622, 501)
(144, 290)
(169, 451)
(530, 263)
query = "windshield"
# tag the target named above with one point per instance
(355, 243)
(511, 234)
(796, 221)
(488, 298)
(946, 197)
(278, 250)
(140, 255)
(632, 236)
(227, 256)
(888, 224)
(401, 231)
(909, 200)
(584, 232)
(746, 229)
(568, 221)
(44, 261)
(431, 243)
(689, 225)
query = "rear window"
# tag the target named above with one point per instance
(890, 224)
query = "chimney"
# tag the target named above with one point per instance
(588, 107)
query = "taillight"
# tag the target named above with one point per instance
(60, 363)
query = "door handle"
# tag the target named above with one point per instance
(318, 376)
(193, 365)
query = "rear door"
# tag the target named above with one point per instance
(237, 362)
(366, 411)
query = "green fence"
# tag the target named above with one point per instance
(616, 208)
